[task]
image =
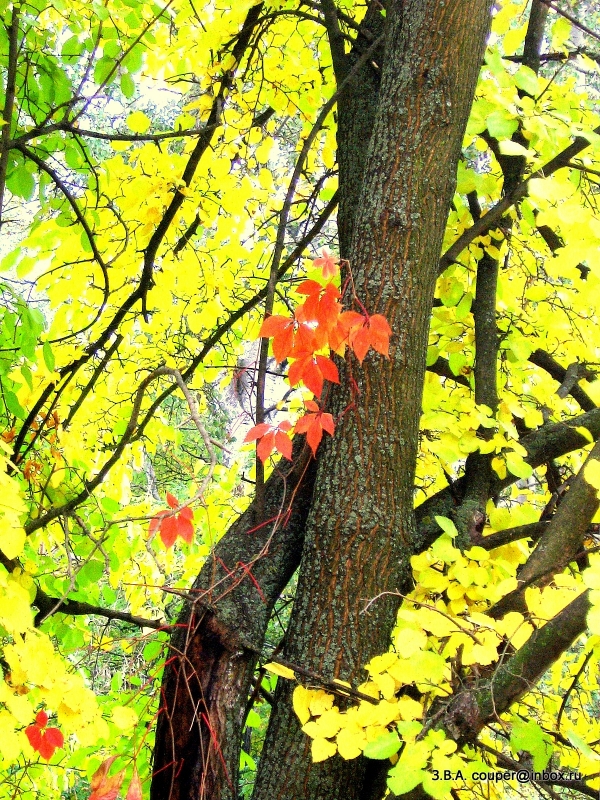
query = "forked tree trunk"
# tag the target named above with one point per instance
(360, 531)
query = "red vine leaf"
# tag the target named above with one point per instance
(327, 262)
(313, 424)
(170, 525)
(44, 740)
(312, 370)
(271, 437)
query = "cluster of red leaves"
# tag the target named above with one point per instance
(44, 740)
(318, 328)
(106, 787)
(271, 437)
(171, 525)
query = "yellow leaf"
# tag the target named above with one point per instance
(320, 702)
(592, 473)
(300, 701)
(351, 742)
(124, 718)
(138, 122)
(322, 749)
(409, 709)
(280, 670)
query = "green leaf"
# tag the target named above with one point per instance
(127, 85)
(13, 405)
(446, 525)
(383, 747)
(403, 780)
(49, 359)
(530, 737)
(501, 125)
(527, 80)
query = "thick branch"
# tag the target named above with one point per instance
(544, 360)
(491, 218)
(9, 99)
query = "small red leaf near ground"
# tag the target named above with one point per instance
(135, 787)
(172, 501)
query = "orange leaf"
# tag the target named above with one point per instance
(257, 432)
(327, 262)
(135, 787)
(172, 501)
(266, 446)
(105, 787)
(283, 443)
(282, 331)
(313, 425)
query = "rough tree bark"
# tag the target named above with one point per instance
(361, 529)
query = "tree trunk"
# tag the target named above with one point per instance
(361, 531)
(218, 638)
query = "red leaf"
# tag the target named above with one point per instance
(156, 522)
(310, 287)
(186, 513)
(34, 734)
(172, 500)
(135, 787)
(380, 334)
(312, 377)
(257, 432)
(46, 749)
(360, 342)
(41, 719)
(168, 531)
(282, 331)
(314, 425)
(314, 436)
(266, 446)
(54, 736)
(274, 325)
(283, 443)
(327, 423)
(328, 369)
(327, 262)
(185, 529)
